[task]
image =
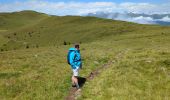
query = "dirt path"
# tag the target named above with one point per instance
(73, 93)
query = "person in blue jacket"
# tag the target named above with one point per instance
(76, 64)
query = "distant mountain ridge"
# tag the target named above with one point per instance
(161, 19)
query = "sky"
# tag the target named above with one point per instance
(83, 7)
(116, 1)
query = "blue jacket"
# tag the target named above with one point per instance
(75, 58)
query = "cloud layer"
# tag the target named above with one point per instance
(133, 17)
(82, 8)
(145, 20)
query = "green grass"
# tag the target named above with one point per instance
(15, 20)
(140, 71)
(140, 56)
(3, 40)
(136, 75)
(40, 73)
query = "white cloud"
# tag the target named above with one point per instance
(140, 19)
(164, 19)
(80, 8)
(137, 19)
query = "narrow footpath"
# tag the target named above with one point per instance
(73, 93)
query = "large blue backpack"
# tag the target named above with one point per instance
(68, 56)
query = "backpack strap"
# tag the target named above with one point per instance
(74, 55)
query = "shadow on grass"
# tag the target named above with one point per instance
(81, 81)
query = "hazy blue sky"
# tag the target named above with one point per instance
(81, 7)
(116, 1)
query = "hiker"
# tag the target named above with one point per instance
(74, 60)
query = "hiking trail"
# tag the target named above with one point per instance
(73, 93)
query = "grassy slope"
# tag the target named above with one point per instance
(140, 54)
(11, 21)
(3, 40)
(140, 70)
(54, 30)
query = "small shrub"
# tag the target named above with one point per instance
(37, 46)
(27, 46)
(166, 62)
(29, 33)
(15, 34)
(69, 43)
(65, 43)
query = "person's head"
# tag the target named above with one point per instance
(76, 46)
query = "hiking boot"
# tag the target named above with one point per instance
(73, 85)
(78, 90)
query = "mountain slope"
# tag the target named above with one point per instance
(10, 21)
(39, 30)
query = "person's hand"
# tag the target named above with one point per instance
(77, 67)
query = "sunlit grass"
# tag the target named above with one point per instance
(140, 71)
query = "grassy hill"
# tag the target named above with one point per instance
(15, 20)
(39, 30)
(33, 58)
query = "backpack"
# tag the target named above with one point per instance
(68, 56)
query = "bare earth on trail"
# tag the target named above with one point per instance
(74, 93)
